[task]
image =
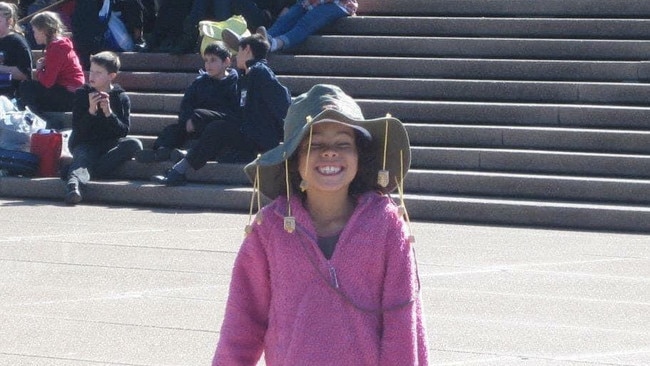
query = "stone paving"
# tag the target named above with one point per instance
(102, 285)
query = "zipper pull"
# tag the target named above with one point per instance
(335, 280)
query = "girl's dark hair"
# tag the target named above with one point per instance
(367, 168)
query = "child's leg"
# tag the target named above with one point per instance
(310, 23)
(125, 150)
(83, 157)
(287, 21)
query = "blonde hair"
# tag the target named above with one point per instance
(10, 12)
(49, 23)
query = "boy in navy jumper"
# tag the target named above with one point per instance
(211, 96)
(258, 125)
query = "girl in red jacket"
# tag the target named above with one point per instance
(58, 73)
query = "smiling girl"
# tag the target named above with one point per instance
(327, 273)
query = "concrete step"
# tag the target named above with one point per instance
(481, 26)
(530, 213)
(528, 186)
(480, 90)
(531, 161)
(428, 88)
(455, 68)
(476, 47)
(511, 114)
(164, 112)
(447, 182)
(541, 138)
(439, 208)
(506, 8)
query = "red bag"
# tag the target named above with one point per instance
(46, 144)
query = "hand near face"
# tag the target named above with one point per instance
(99, 100)
(104, 103)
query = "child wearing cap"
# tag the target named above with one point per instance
(327, 272)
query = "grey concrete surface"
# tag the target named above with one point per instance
(102, 285)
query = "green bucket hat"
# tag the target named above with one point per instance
(329, 103)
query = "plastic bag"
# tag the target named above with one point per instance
(117, 38)
(211, 31)
(17, 127)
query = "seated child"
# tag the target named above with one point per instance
(263, 103)
(212, 96)
(58, 73)
(100, 123)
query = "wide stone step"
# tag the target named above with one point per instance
(427, 89)
(530, 213)
(480, 90)
(448, 182)
(531, 161)
(461, 68)
(512, 114)
(393, 66)
(528, 186)
(520, 27)
(476, 47)
(439, 208)
(542, 138)
(502, 8)
(164, 112)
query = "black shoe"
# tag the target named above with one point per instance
(151, 156)
(177, 155)
(72, 194)
(140, 46)
(172, 178)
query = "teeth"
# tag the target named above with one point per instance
(329, 169)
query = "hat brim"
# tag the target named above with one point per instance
(385, 132)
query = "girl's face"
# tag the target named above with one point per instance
(215, 66)
(333, 158)
(39, 36)
(5, 23)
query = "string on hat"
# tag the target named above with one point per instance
(303, 182)
(289, 221)
(256, 193)
(401, 209)
(383, 177)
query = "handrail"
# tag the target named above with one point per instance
(49, 7)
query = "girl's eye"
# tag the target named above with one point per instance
(340, 146)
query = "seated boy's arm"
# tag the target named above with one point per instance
(81, 117)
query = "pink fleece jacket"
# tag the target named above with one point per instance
(361, 307)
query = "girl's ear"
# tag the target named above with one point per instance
(112, 75)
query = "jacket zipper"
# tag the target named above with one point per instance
(335, 280)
